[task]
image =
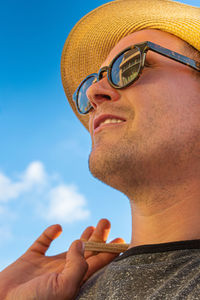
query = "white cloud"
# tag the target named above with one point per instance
(66, 205)
(33, 176)
(57, 202)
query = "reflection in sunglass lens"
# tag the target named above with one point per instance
(126, 68)
(82, 102)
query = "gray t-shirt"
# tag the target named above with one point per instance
(153, 272)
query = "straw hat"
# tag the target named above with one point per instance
(92, 38)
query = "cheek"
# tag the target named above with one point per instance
(179, 99)
(164, 102)
(91, 128)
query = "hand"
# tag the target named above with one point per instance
(35, 276)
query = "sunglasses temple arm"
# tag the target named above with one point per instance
(176, 56)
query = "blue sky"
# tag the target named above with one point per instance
(44, 176)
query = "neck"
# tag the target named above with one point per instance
(170, 213)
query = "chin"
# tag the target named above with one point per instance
(105, 167)
(99, 166)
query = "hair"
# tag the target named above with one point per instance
(192, 53)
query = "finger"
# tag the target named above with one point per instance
(99, 261)
(100, 234)
(84, 237)
(74, 270)
(42, 244)
(87, 233)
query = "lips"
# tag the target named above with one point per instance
(102, 118)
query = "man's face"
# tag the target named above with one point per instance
(159, 138)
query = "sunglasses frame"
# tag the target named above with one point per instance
(143, 48)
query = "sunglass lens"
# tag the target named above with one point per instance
(83, 103)
(126, 67)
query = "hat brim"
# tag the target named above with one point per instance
(93, 37)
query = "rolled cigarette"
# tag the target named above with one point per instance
(102, 247)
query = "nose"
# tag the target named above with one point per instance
(100, 92)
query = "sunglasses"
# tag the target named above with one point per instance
(124, 69)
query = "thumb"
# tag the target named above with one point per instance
(74, 270)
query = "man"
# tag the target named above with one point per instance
(142, 111)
